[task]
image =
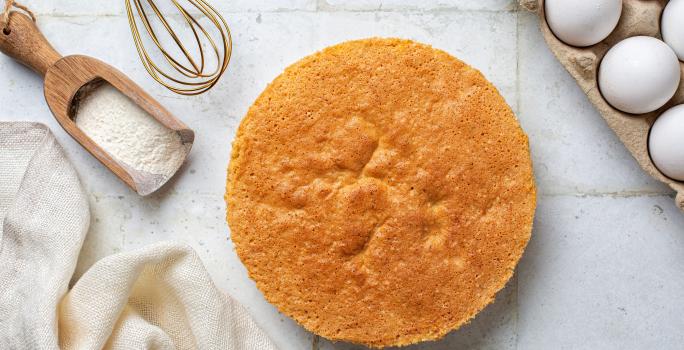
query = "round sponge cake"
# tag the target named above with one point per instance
(380, 192)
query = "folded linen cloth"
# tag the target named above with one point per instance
(160, 297)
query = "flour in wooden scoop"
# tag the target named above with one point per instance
(128, 133)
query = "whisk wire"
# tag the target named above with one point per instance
(188, 72)
(173, 35)
(173, 62)
(196, 80)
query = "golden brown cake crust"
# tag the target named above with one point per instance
(380, 192)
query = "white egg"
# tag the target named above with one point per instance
(639, 75)
(582, 22)
(666, 143)
(672, 26)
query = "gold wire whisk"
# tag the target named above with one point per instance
(193, 80)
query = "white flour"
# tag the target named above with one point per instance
(128, 133)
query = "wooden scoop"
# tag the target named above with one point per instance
(68, 78)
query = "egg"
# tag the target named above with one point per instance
(639, 75)
(672, 26)
(582, 22)
(666, 143)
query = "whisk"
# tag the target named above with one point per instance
(193, 75)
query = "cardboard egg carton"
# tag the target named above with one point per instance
(639, 17)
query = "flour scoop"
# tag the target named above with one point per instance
(69, 79)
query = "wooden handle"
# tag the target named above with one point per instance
(24, 42)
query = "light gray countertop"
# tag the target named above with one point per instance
(604, 268)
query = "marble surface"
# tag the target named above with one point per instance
(603, 268)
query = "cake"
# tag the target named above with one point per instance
(380, 192)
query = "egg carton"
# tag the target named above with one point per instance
(639, 17)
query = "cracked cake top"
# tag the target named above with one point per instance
(380, 192)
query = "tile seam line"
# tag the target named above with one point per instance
(607, 194)
(518, 107)
(40, 15)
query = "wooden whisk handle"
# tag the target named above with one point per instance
(24, 42)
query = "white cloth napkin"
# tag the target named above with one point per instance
(160, 297)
